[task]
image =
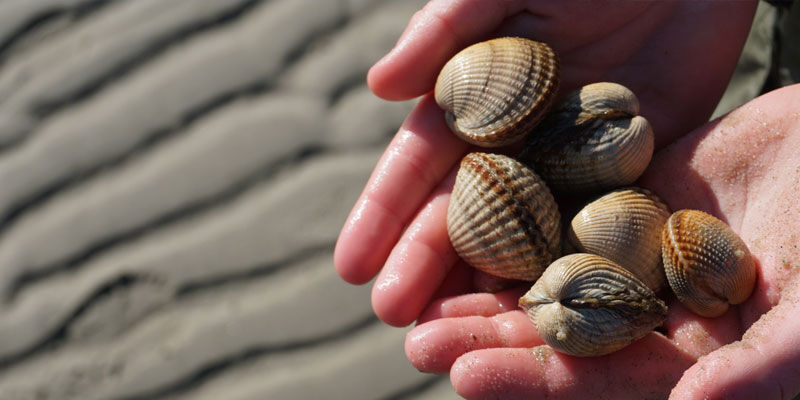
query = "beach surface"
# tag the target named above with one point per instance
(174, 177)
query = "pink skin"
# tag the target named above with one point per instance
(742, 168)
(482, 304)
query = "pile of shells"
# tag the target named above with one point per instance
(504, 220)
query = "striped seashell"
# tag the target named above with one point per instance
(502, 219)
(624, 226)
(495, 92)
(594, 141)
(707, 264)
(586, 305)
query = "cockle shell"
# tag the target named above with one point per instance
(502, 219)
(707, 264)
(586, 305)
(494, 92)
(624, 226)
(593, 141)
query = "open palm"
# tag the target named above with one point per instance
(678, 63)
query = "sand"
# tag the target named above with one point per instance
(174, 177)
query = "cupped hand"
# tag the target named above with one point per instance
(676, 56)
(743, 168)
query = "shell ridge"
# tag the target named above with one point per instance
(592, 141)
(600, 306)
(501, 216)
(514, 204)
(499, 89)
(704, 260)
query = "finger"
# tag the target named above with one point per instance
(765, 364)
(432, 36)
(434, 346)
(457, 282)
(546, 22)
(475, 304)
(646, 369)
(488, 283)
(421, 154)
(418, 264)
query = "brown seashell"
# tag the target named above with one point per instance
(707, 264)
(502, 219)
(586, 305)
(495, 92)
(594, 141)
(624, 226)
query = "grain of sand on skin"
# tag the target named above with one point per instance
(700, 341)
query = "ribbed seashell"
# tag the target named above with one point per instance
(495, 92)
(707, 264)
(586, 305)
(502, 219)
(624, 226)
(593, 141)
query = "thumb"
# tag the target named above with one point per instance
(765, 364)
(432, 36)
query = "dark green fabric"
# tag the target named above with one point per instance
(788, 59)
(770, 58)
(755, 62)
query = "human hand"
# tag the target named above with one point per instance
(702, 171)
(744, 168)
(668, 53)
